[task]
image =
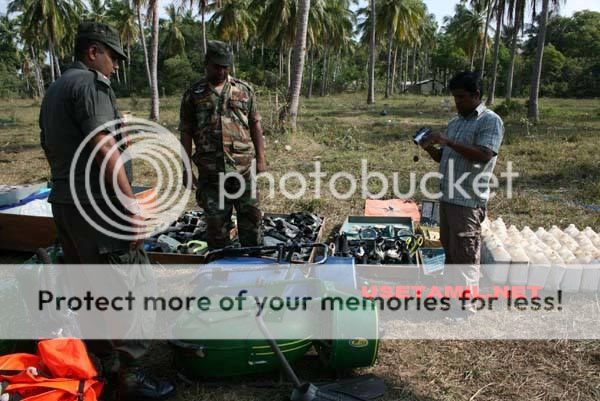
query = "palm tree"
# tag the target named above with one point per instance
(277, 26)
(155, 104)
(137, 5)
(97, 10)
(402, 19)
(234, 22)
(371, 92)
(533, 110)
(293, 99)
(467, 27)
(516, 13)
(500, 6)
(48, 21)
(330, 31)
(129, 30)
(488, 6)
(173, 41)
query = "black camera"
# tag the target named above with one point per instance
(422, 135)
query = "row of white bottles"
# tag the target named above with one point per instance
(554, 259)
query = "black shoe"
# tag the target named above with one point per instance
(137, 385)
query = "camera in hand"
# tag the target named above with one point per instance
(422, 135)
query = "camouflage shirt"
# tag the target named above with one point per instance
(219, 125)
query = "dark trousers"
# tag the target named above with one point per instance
(84, 244)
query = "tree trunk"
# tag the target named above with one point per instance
(400, 69)
(155, 108)
(394, 70)
(336, 67)
(57, 65)
(39, 78)
(499, 17)
(129, 65)
(289, 69)
(203, 29)
(371, 93)
(311, 76)
(143, 41)
(513, 52)
(405, 84)
(324, 71)
(388, 75)
(51, 59)
(280, 74)
(485, 37)
(293, 100)
(533, 112)
(414, 65)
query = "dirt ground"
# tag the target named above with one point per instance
(559, 184)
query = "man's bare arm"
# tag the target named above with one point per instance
(258, 140)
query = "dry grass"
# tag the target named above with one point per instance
(560, 169)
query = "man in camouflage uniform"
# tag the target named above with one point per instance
(219, 117)
(74, 106)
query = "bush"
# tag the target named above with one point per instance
(510, 108)
(177, 76)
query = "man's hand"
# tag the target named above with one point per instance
(438, 138)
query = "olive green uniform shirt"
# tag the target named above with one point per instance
(76, 104)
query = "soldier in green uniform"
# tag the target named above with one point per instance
(220, 119)
(74, 106)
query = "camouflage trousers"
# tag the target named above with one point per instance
(249, 216)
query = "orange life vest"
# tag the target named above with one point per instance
(62, 371)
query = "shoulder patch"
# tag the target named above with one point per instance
(199, 87)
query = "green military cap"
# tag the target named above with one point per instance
(102, 33)
(218, 52)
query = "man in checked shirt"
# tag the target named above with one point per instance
(467, 156)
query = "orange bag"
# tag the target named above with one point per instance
(62, 371)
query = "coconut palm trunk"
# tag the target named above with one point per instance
(371, 93)
(144, 47)
(155, 105)
(57, 66)
(293, 100)
(289, 68)
(488, 18)
(499, 17)
(513, 51)
(51, 57)
(394, 70)
(388, 75)
(324, 71)
(311, 76)
(203, 5)
(533, 112)
(39, 78)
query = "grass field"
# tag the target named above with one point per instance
(559, 179)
